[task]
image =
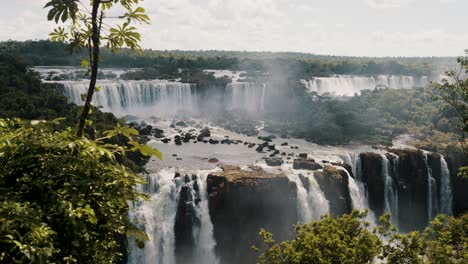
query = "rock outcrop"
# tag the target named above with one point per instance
(243, 201)
(334, 184)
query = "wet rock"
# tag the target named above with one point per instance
(271, 147)
(213, 160)
(284, 144)
(205, 132)
(259, 148)
(165, 140)
(251, 145)
(157, 133)
(181, 124)
(213, 141)
(274, 162)
(303, 155)
(301, 164)
(334, 184)
(305, 182)
(146, 130)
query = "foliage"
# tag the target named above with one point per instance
(330, 240)
(349, 239)
(88, 30)
(297, 64)
(453, 90)
(64, 199)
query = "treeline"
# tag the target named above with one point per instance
(46, 53)
(374, 117)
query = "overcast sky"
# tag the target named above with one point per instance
(336, 27)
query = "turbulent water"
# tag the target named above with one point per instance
(157, 218)
(246, 96)
(446, 189)
(311, 204)
(391, 190)
(350, 85)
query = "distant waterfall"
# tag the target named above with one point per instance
(350, 85)
(157, 217)
(390, 189)
(141, 98)
(311, 203)
(446, 196)
(247, 96)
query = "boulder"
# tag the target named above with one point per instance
(302, 164)
(205, 132)
(274, 162)
(334, 184)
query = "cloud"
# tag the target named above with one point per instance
(382, 4)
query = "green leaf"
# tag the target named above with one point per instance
(84, 63)
(98, 89)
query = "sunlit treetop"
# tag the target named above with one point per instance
(115, 21)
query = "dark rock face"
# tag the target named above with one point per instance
(456, 159)
(303, 164)
(412, 190)
(371, 164)
(242, 202)
(186, 219)
(334, 184)
(205, 132)
(274, 162)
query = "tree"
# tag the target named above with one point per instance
(64, 199)
(453, 90)
(349, 239)
(89, 30)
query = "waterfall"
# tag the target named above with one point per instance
(311, 203)
(141, 98)
(345, 85)
(445, 189)
(357, 190)
(390, 190)
(247, 96)
(431, 191)
(157, 217)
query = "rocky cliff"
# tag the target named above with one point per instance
(241, 201)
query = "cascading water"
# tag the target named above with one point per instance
(350, 85)
(141, 98)
(247, 96)
(446, 196)
(311, 203)
(391, 192)
(157, 217)
(431, 191)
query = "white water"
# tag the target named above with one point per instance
(349, 85)
(311, 204)
(140, 98)
(157, 217)
(446, 189)
(431, 191)
(246, 96)
(391, 193)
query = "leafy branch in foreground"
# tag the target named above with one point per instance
(349, 239)
(63, 199)
(89, 28)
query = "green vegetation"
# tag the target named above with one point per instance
(349, 239)
(374, 117)
(45, 53)
(63, 198)
(87, 30)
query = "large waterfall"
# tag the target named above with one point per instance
(169, 196)
(141, 98)
(311, 201)
(247, 96)
(350, 85)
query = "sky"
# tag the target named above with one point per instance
(329, 27)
